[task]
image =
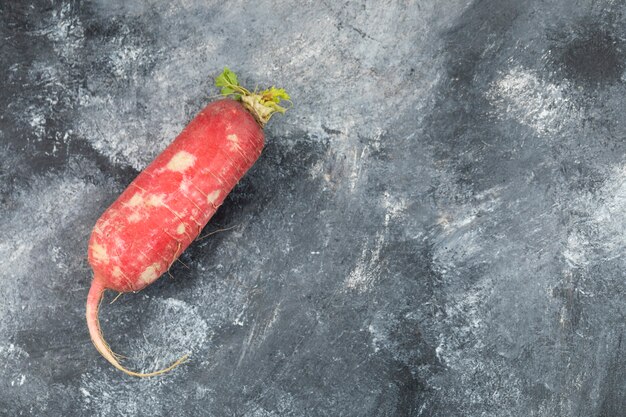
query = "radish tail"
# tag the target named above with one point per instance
(93, 304)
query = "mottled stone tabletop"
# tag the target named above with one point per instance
(436, 228)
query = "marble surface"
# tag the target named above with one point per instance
(436, 228)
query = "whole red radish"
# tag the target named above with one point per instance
(164, 209)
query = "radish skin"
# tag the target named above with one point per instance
(164, 209)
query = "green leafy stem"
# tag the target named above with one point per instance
(262, 104)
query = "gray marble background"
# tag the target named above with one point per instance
(436, 228)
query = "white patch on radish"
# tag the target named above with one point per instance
(181, 162)
(233, 142)
(99, 253)
(150, 273)
(135, 217)
(135, 200)
(184, 186)
(213, 196)
(180, 229)
(155, 200)
(117, 272)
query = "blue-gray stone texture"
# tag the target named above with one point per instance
(435, 228)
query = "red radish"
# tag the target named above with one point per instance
(164, 209)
